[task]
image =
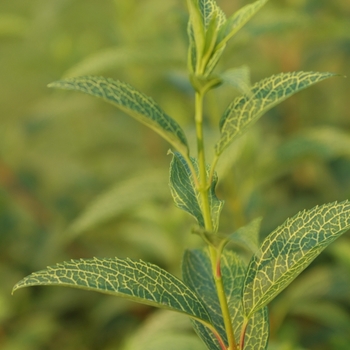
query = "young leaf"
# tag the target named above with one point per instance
(246, 110)
(214, 59)
(238, 20)
(184, 191)
(196, 34)
(134, 280)
(210, 9)
(192, 50)
(132, 102)
(289, 249)
(206, 19)
(198, 275)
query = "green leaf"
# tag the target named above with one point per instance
(248, 236)
(210, 9)
(196, 34)
(185, 194)
(134, 280)
(192, 50)
(289, 249)
(132, 102)
(214, 59)
(198, 275)
(258, 331)
(122, 197)
(211, 53)
(206, 19)
(246, 110)
(238, 20)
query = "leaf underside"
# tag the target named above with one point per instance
(134, 280)
(197, 274)
(290, 249)
(244, 111)
(125, 97)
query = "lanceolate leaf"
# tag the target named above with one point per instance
(257, 340)
(210, 9)
(196, 34)
(198, 275)
(132, 102)
(134, 280)
(183, 188)
(289, 250)
(185, 194)
(214, 59)
(239, 19)
(206, 18)
(192, 50)
(229, 28)
(246, 110)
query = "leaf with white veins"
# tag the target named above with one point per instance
(129, 100)
(244, 111)
(288, 250)
(186, 195)
(134, 280)
(198, 274)
(239, 19)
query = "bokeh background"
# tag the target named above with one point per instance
(80, 179)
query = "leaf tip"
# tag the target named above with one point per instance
(15, 287)
(53, 84)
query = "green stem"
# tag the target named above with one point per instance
(203, 191)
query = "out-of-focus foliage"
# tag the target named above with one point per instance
(63, 153)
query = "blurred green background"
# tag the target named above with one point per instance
(80, 179)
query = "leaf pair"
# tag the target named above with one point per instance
(148, 284)
(197, 274)
(209, 30)
(281, 257)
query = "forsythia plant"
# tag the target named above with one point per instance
(225, 299)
